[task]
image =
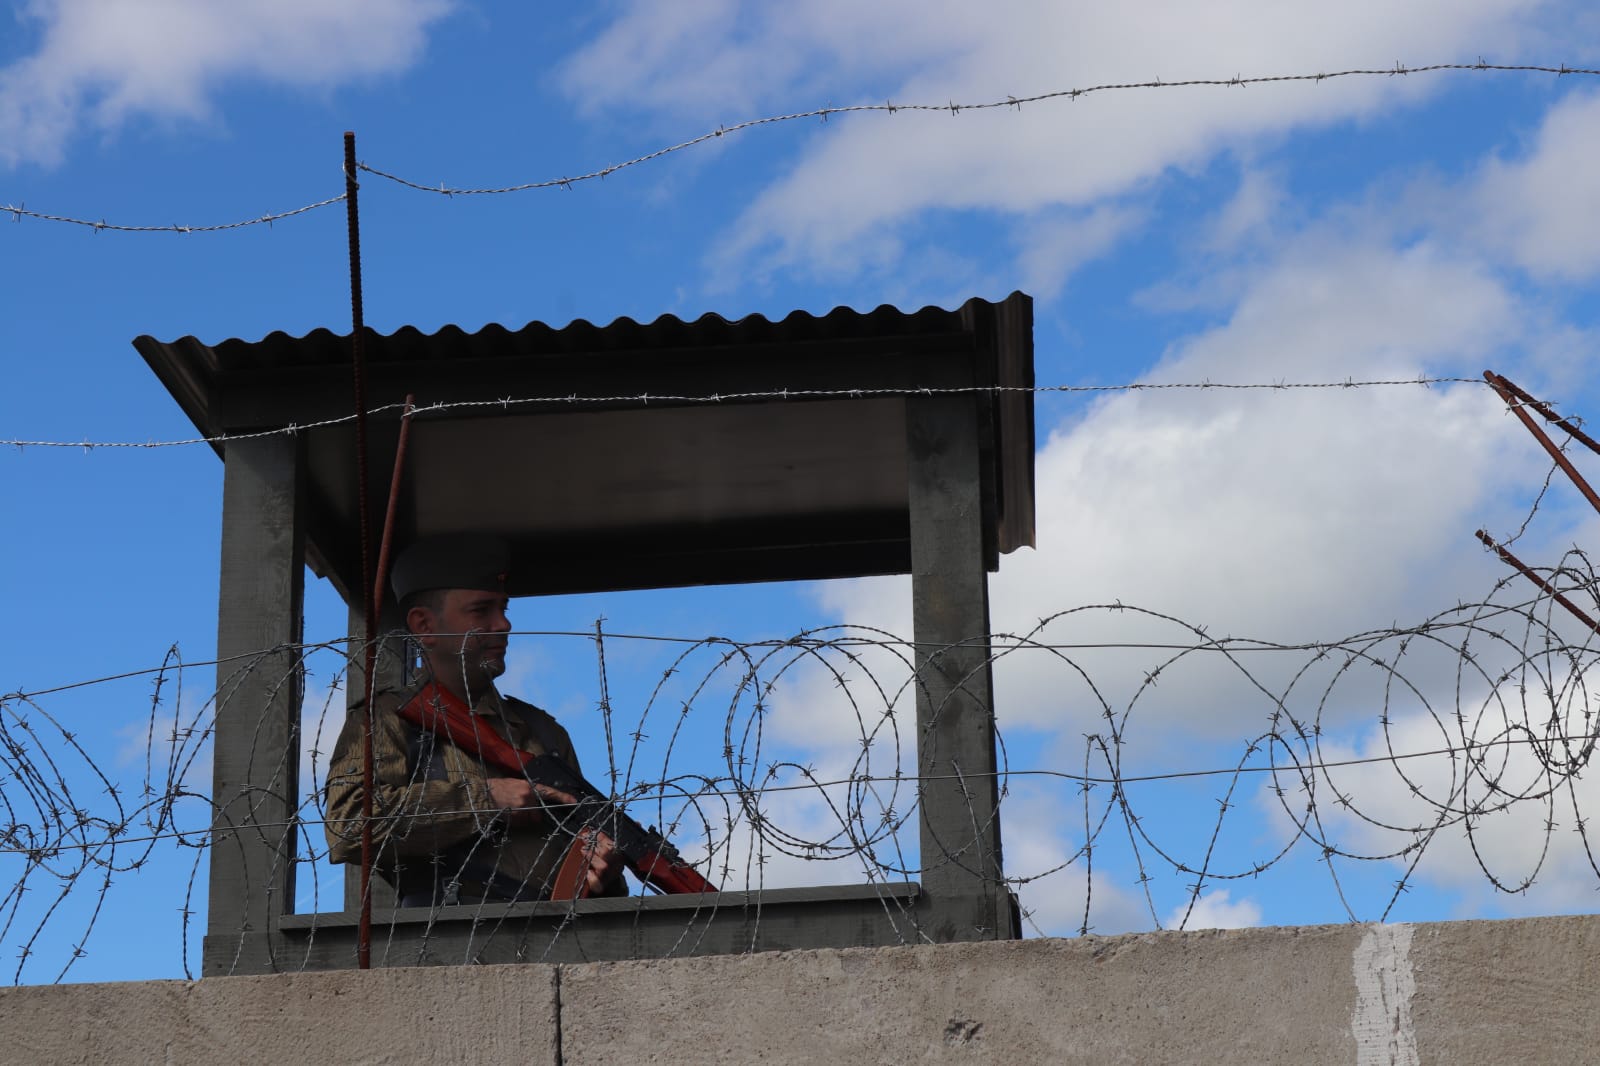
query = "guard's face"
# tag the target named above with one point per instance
(466, 637)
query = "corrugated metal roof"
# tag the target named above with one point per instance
(762, 487)
(408, 344)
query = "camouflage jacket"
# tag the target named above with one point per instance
(437, 833)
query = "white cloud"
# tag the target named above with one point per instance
(712, 58)
(1538, 208)
(1286, 516)
(1053, 245)
(174, 749)
(1255, 204)
(171, 747)
(1054, 874)
(1215, 910)
(1519, 851)
(861, 178)
(102, 62)
(1282, 515)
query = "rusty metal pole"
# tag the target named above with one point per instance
(358, 367)
(380, 577)
(1505, 389)
(1504, 384)
(1528, 573)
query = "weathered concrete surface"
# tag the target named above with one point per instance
(1398, 995)
(1465, 993)
(1510, 991)
(498, 1015)
(1267, 995)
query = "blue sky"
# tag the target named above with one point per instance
(1364, 228)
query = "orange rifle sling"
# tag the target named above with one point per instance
(440, 711)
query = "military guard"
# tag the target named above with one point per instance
(447, 826)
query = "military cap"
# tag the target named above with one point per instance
(452, 561)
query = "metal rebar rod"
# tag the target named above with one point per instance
(1543, 408)
(358, 367)
(1520, 410)
(1528, 573)
(381, 575)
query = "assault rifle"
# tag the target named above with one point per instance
(650, 856)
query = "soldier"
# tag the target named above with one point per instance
(446, 827)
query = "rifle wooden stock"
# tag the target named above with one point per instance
(650, 856)
(572, 881)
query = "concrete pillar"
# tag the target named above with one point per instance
(255, 781)
(959, 794)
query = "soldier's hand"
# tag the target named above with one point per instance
(525, 804)
(522, 801)
(605, 861)
(555, 796)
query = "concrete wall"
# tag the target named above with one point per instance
(1459, 992)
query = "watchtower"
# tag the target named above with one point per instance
(664, 454)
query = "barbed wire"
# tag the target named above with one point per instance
(888, 107)
(20, 211)
(1229, 645)
(506, 403)
(654, 793)
(1327, 731)
(1501, 685)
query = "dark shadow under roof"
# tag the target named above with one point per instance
(638, 454)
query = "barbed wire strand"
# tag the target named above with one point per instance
(1501, 682)
(20, 211)
(1499, 758)
(952, 108)
(782, 394)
